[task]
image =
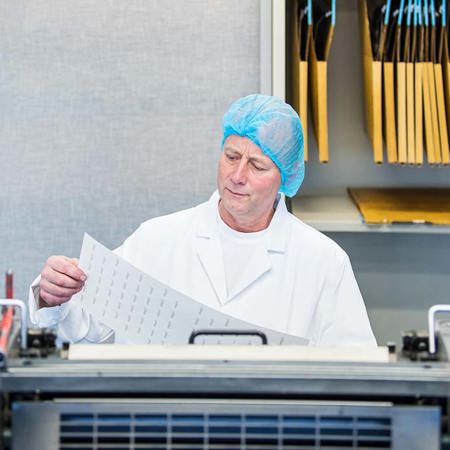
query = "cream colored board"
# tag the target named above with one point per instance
(401, 113)
(418, 108)
(443, 130)
(410, 122)
(390, 130)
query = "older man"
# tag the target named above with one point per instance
(241, 252)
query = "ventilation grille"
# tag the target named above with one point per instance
(225, 432)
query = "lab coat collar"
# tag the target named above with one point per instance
(209, 250)
(277, 231)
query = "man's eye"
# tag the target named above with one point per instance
(259, 168)
(231, 157)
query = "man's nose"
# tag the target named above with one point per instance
(239, 176)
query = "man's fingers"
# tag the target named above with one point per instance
(58, 291)
(64, 265)
(50, 299)
(59, 278)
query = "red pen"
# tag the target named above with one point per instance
(7, 320)
(9, 279)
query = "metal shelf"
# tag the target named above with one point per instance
(339, 214)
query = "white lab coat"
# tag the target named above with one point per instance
(302, 282)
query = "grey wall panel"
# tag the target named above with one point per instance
(400, 277)
(110, 114)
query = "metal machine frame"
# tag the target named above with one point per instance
(51, 402)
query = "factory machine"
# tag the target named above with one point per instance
(222, 397)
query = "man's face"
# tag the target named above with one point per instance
(248, 183)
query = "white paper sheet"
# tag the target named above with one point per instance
(141, 310)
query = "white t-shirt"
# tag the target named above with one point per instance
(239, 250)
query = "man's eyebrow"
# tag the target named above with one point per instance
(261, 158)
(254, 158)
(232, 148)
(264, 159)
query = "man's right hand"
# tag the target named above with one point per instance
(61, 278)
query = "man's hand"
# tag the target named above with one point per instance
(61, 278)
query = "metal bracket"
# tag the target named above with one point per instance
(23, 318)
(431, 324)
(257, 333)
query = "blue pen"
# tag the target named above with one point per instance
(309, 12)
(408, 17)
(432, 14)
(444, 13)
(333, 12)
(387, 12)
(425, 12)
(400, 12)
(419, 12)
(415, 13)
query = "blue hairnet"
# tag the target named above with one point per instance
(276, 129)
